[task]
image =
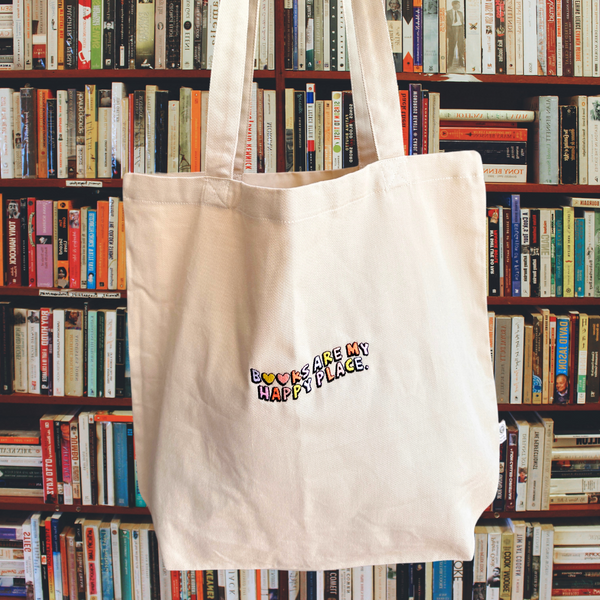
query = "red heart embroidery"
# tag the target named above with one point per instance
(283, 378)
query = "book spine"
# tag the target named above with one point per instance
(568, 145)
(407, 36)
(91, 131)
(568, 251)
(84, 35)
(144, 35)
(511, 67)
(44, 351)
(500, 37)
(121, 39)
(74, 249)
(49, 458)
(516, 357)
(131, 32)
(551, 37)
(96, 54)
(197, 37)
(80, 157)
(110, 354)
(579, 291)
(473, 51)
(488, 19)
(121, 252)
(418, 36)
(61, 134)
(91, 250)
(29, 163)
(108, 34)
(310, 127)
(559, 275)
(173, 37)
(116, 138)
(7, 160)
(333, 35)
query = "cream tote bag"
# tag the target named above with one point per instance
(310, 359)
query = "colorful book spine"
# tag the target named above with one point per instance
(515, 206)
(579, 291)
(91, 250)
(74, 249)
(559, 276)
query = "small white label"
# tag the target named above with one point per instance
(502, 428)
(79, 183)
(79, 294)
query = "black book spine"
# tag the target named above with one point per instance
(109, 34)
(71, 33)
(332, 585)
(499, 500)
(93, 460)
(104, 461)
(43, 557)
(130, 466)
(131, 31)
(28, 133)
(6, 313)
(121, 26)
(300, 128)
(24, 250)
(418, 574)
(333, 28)
(197, 34)
(500, 37)
(402, 581)
(534, 251)
(568, 38)
(568, 145)
(493, 252)
(492, 153)
(51, 137)
(120, 354)
(100, 354)
(173, 34)
(210, 585)
(350, 155)
(85, 347)
(162, 132)
(155, 567)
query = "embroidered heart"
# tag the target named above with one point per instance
(283, 378)
(268, 378)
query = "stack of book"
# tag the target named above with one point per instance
(53, 245)
(106, 133)
(543, 252)
(64, 352)
(166, 34)
(554, 37)
(20, 464)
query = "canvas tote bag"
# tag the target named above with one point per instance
(310, 361)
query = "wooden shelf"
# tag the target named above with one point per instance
(36, 504)
(556, 511)
(119, 74)
(58, 400)
(60, 183)
(511, 301)
(549, 407)
(60, 293)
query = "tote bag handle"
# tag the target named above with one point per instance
(374, 86)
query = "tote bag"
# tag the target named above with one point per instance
(310, 361)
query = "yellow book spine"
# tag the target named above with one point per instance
(91, 130)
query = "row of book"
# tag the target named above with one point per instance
(50, 244)
(543, 252)
(64, 352)
(512, 37)
(165, 34)
(77, 457)
(107, 132)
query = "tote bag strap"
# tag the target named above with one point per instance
(374, 87)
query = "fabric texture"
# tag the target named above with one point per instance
(310, 361)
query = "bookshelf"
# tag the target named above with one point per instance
(459, 91)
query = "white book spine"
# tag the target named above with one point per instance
(586, 37)
(264, 584)
(116, 558)
(18, 36)
(545, 258)
(535, 467)
(187, 34)
(84, 457)
(7, 134)
(28, 555)
(213, 14)
(110, 325)
(565, 555)
(165, 580)
(479, 559)
(522, 465)
(248, 585)
(110, 465)
(301, 35)
(58, 356)
(575, 485)
(52, 36)
(204, 113)
(326, 37)
(529, 37)
(336, 126)
(271, 35)
(542, 57)
(582, 138)
(589, 253)
(493, 561)
(546, 562)
(518, 566)
(21, 371)
(293, 585)
(125, 135)
(595, 39)
(473, 37)
(116, 131)
(593, 140)
(38, 590)
(100, 459)
(341, 33)
(103, 161)
(16, 144)
(488, 42)
(33, 359)
(270, 130)
(173, 137)
(232, 585)
(76, 474)
(511, 43)
(145, 563)
(519, 42)
(160, 34)
(150, 128)
(346, 584)
(559, 39)
(28, 33)
(257, 44)
(516, 359)
(262, 42)
(62, 117)
(136, 563)
(547, 464)
(85, 33)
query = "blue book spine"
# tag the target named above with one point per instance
(139, 501)
(579, 257)
(295, 37)
(418, 37)
(311, 585)
(92, 350)
(431, 37)
(120, 457)
(414, 124)
(56, 556)
(106, 563)
(442, 580)
(91, 250)
(559, 252)
(515, 243)
(125, 550)
(13, 590)
(561, 381)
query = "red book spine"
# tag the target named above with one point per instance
(49, 558)
(74, 249)
(175, 585)
(65, 447)
(551, 36)
(49, 459)
(403, 94)
(506, 237)
(483, 134)
(44, 350)
(13, 242)
(31, 242)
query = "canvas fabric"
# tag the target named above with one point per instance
(362, 292)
